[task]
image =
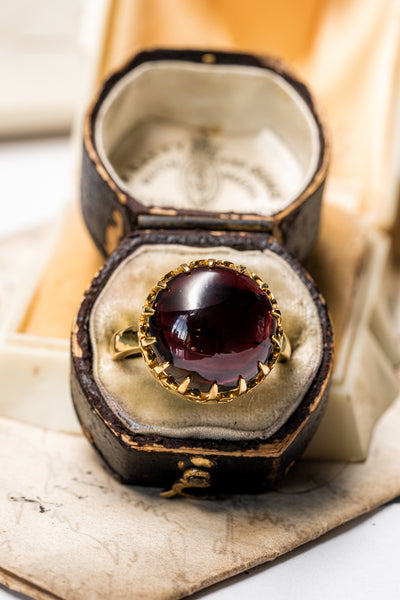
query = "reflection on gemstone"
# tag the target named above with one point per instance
(213, 324)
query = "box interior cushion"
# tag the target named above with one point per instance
(146, 407)
(224, 138)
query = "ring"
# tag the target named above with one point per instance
(209, 331)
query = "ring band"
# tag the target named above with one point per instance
(209, 331)
(125, 344)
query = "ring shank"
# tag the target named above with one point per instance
(125, 343)
(286, 349)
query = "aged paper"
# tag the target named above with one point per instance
(70, 530)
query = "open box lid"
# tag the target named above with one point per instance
(210, 140)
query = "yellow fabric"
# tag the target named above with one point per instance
(71, 266)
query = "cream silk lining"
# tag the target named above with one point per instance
(250, 144)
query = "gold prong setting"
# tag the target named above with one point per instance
(242, 385)
(160, 368)
(182, 387)
(212, 393)
(148, 341)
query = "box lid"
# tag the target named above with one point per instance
(199, 139)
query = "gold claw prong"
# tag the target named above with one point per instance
(276, 314)
(185, 268)
(213, 392)
(241, 269)
(257, 279)
(276, 341)
(161, 367)
(184, 385)
(242, 385)
(286, 349)
(211, 262)
(162, 285)
(264, 368)
(148, 311)
(147, 341)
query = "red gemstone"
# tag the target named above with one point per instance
(213, 324)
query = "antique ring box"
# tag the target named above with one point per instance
(201, 154)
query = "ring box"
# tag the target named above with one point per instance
(183, 148)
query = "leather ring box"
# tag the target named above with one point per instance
(149, 436)
(211, 140)
(181, 148)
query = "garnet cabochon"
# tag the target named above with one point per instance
(213, 324)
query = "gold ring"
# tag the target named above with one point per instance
(209, 331)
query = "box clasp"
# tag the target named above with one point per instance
(195, 480)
